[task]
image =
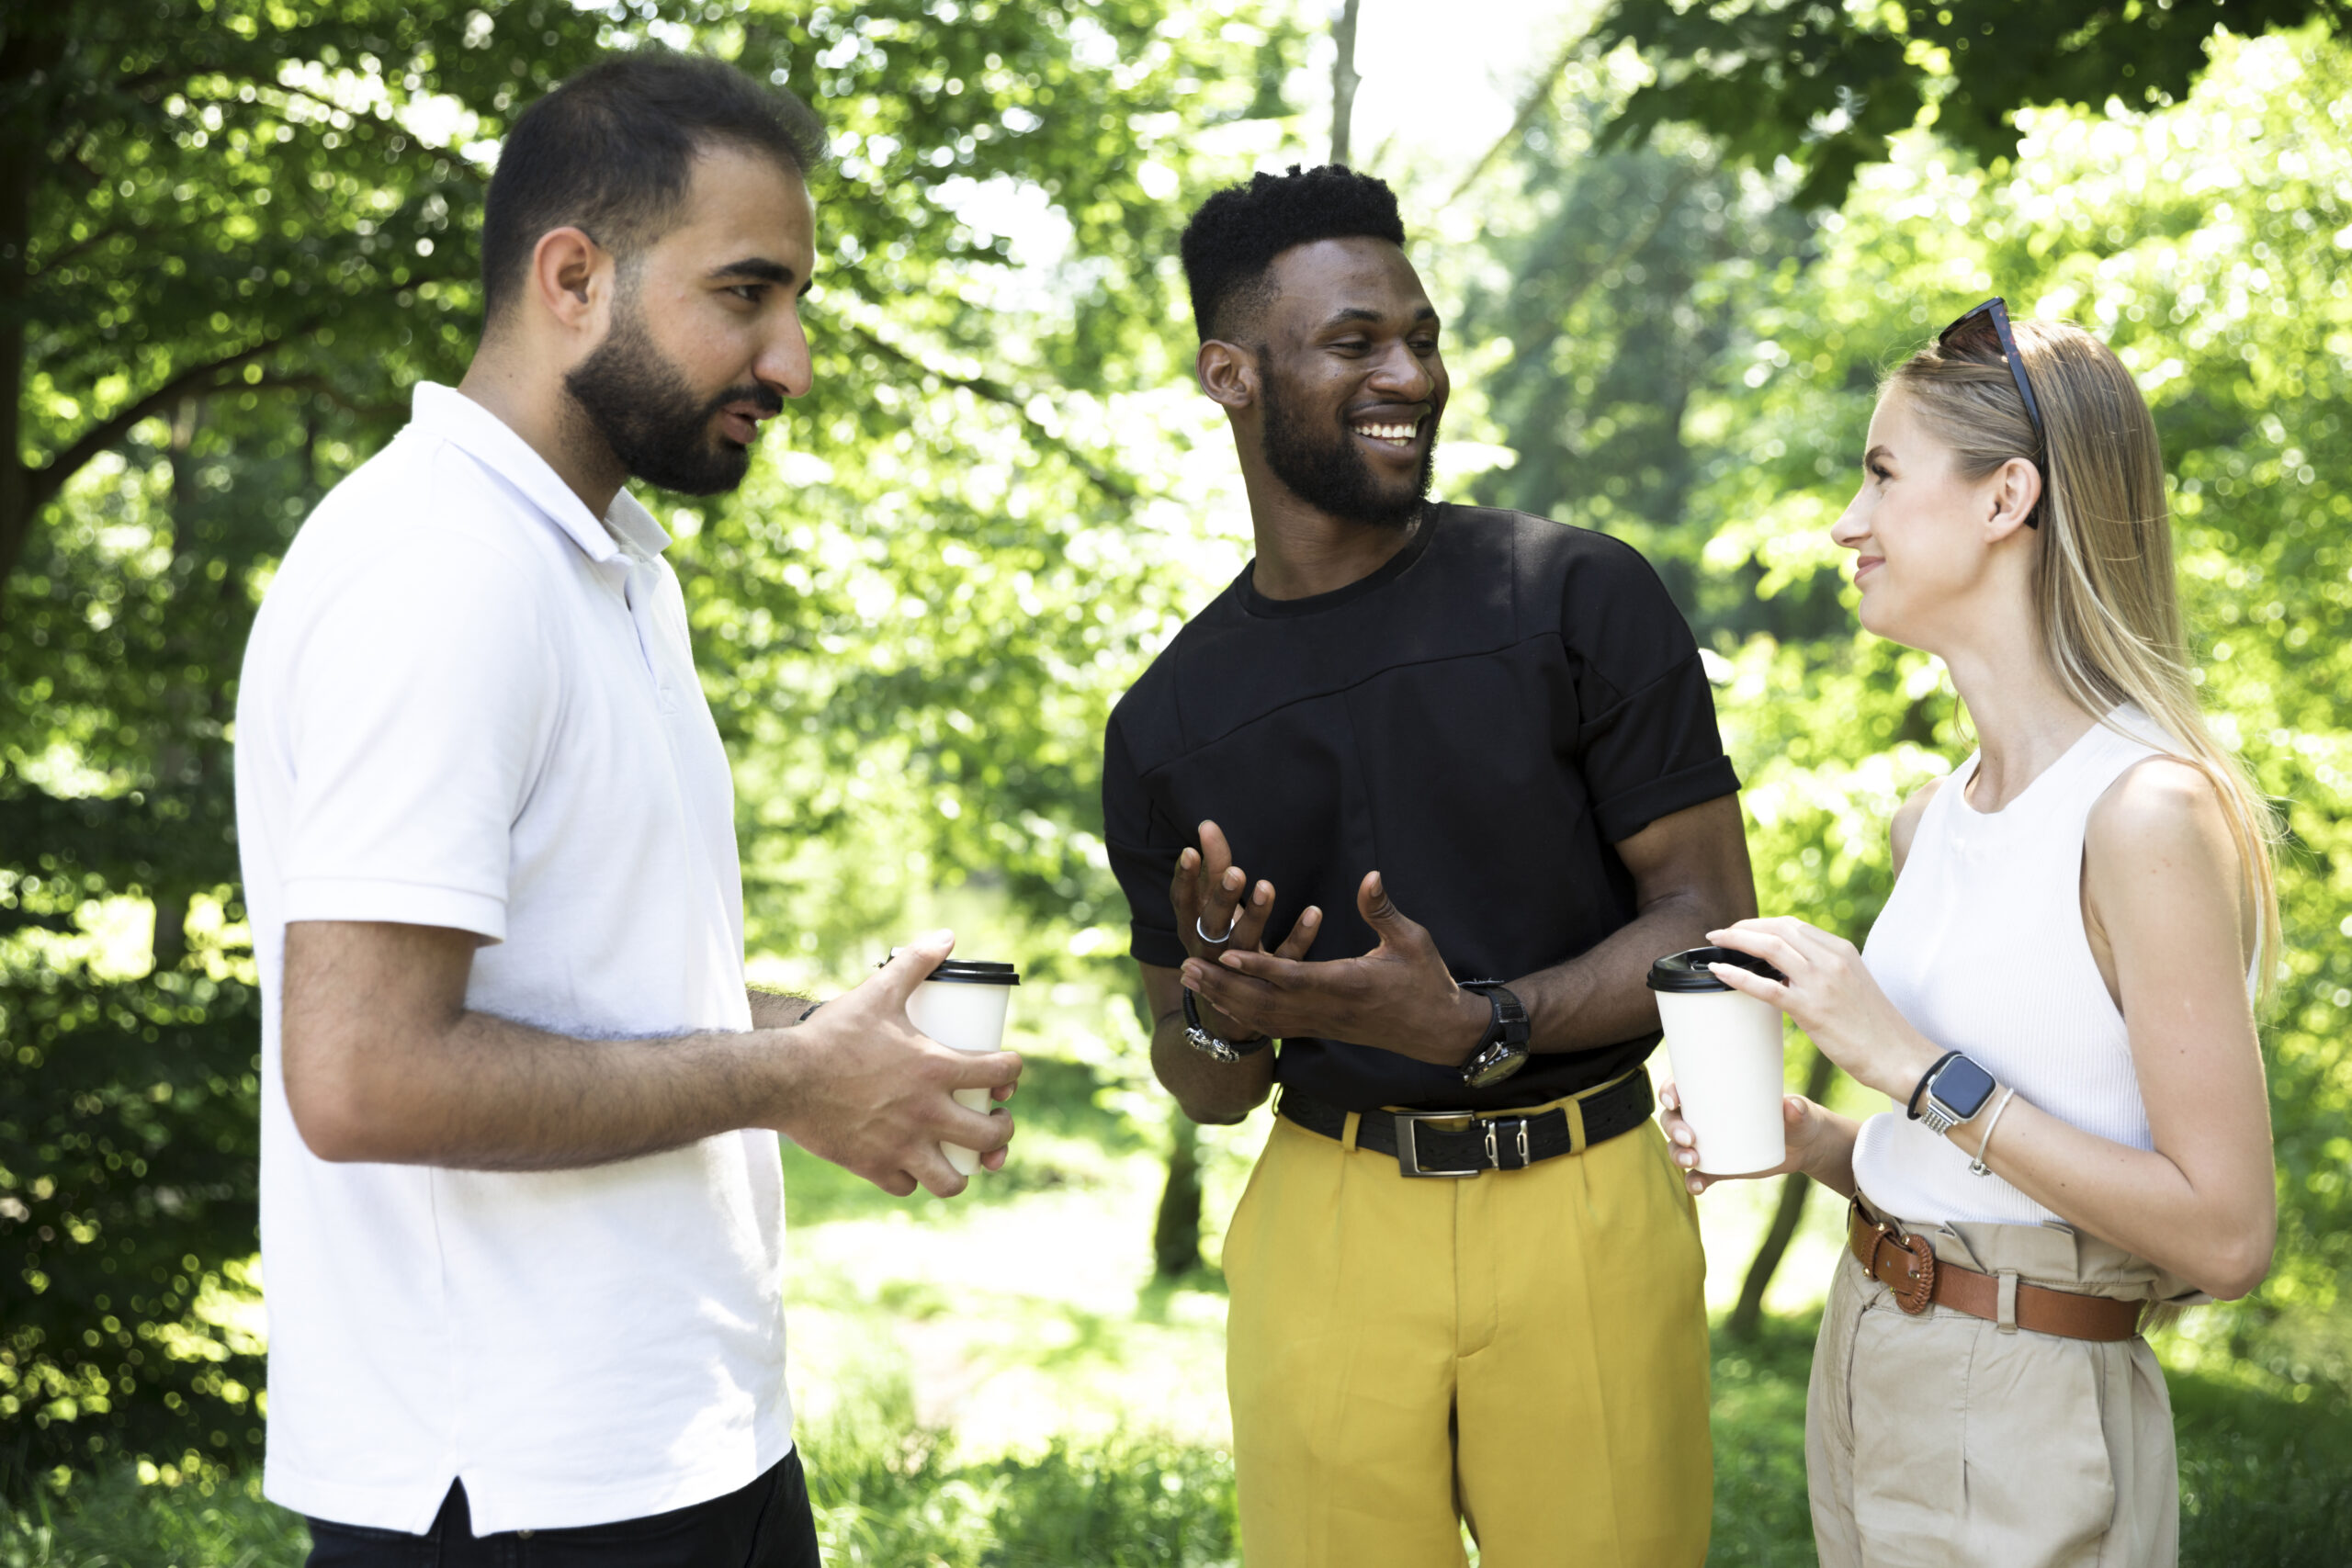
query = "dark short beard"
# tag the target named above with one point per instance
(1324, 468)
(649, 415)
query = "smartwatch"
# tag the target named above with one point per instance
(1197, 1035)
(1956, 1090)
(1502, 1050)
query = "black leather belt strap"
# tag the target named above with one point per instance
(1471, 1143)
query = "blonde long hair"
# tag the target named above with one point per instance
(2104, 594)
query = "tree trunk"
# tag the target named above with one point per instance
(1749, 1315)
(1176, 1228)
(169, 944)
(1343, 79)
(28, 58)
(1176, 1232)
(176, 758)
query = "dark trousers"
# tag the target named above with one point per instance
(766, 1524)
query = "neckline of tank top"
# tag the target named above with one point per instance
(2135, 729)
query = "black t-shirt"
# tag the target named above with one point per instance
(1481, 720)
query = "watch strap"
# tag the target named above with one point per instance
(1509, 1025)
(1912, 1108)
(1502, 1049)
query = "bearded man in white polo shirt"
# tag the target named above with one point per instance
(522, 1206)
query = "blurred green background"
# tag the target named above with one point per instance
(1674, 250)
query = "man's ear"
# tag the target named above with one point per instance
(1228, 374)
(572, 278)
(2015, 492)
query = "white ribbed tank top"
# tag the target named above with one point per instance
(1981, 947)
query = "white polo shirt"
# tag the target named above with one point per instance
(467, 703)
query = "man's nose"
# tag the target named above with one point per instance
(783, 361)
(1402, 374)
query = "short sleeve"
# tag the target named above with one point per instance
(1143, 845)
(1646, 741)
(422, 699)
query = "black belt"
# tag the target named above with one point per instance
(1469, 1142)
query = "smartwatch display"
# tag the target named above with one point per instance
(1956, 1090)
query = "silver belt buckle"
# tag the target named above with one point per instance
(1408, 1153)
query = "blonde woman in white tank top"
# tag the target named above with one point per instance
(2058, 988)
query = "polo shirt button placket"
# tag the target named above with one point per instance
(636, 592)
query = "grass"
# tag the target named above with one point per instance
(2266, 1483)
(997, 1383)
(110, 1520)
(1762, 1519)
(2263, 1479)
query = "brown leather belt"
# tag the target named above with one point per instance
(1906, 1265)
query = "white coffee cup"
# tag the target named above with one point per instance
(1725, 1050)
(962, 1006)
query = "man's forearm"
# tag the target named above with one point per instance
(383, 1061)
(1212, 1092)
(1691, 876)
(1601, 996)
(486, 1093)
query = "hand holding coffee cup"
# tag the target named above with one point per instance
(1818, 980)
(862, 1086)
(962, 1004)
(1725, 1050)
(1799, 1130)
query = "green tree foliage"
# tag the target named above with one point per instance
(249, 230)
(1830, 85)
(2211, 245)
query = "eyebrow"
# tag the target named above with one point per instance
(1358, 313)
(1881, 450)
(759, 269)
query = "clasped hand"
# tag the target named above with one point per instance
(1399, 997)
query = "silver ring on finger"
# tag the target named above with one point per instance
(1219, 940)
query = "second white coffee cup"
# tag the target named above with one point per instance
(1725, 1050)
(963, 1006)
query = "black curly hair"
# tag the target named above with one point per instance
(1231, 242)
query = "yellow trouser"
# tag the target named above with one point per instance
(1522, 1350)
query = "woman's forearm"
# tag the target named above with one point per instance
(1829, 1151)
(2217, 1235)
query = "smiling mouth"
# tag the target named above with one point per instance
(1399, 437)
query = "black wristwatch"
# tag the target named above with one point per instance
(1197, 1036)
(1502, 1050)
(1954, 1089)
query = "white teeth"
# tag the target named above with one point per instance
(1395, 434)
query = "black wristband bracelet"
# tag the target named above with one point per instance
(1912, 1108)
(1197, 1035)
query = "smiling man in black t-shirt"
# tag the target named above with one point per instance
(1498, 724)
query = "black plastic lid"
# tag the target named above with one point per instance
(974, 972)
(1687, 971)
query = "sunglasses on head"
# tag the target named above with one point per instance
(1992, 319)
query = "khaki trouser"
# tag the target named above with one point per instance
(1524, 1350)
(1946, 1441)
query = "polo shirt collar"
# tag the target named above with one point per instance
(459, 420)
